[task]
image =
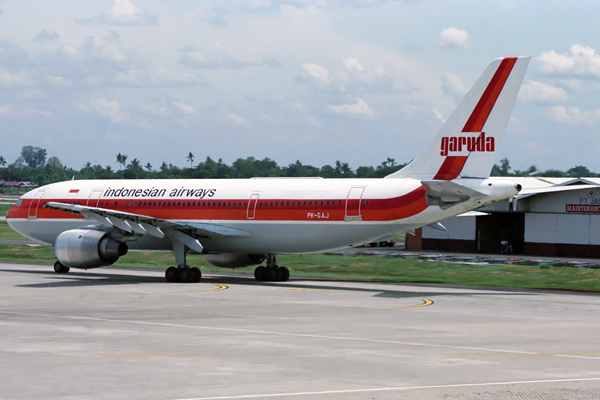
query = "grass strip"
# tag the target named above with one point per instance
(373, 268)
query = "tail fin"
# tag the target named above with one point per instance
(466, 144)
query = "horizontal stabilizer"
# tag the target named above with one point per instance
(437, 226)
(446, 194)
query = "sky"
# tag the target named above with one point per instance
(317, 81)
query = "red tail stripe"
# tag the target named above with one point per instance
(451, 168)
(490, 95)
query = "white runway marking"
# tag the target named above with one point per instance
(390, 389)
(303, 335)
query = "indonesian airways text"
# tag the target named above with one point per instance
(155, 193)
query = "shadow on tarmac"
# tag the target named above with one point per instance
(96, 278)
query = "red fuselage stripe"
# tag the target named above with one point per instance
(236, 209)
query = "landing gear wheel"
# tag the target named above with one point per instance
(172, 274)
(260, 273)
(284, 274)
(271, 275)
(60, 269)
(197, 274)
(185, 275)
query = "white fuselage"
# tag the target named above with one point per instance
(281, 215)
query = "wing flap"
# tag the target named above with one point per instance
(141, 224)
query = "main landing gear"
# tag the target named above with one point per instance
(183, 274)
(60, 269)
(272, 272)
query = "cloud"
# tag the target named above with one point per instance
(215, 16)
(582, 61)
(46, 36)
(122, 12)
(215, 57)
(315, 73)
(359, 109)
(158, 78)
(574, 116)
(237, 120)
(20, 78)
(349, 77)
(542, 93)
(454, 37)
(110, 109)
(185, 108)
(453, 84)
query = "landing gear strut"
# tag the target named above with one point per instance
(183, 273)
(272, 272)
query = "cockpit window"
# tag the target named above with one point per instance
(18, 203)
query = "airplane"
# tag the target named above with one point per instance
(243, 222)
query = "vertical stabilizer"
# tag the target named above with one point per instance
(466, 144)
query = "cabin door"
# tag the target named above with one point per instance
(33, 207)
(353, 204)
(251, 211)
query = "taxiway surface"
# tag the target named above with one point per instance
(127, 334)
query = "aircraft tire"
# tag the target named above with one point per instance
(284, 274)
(260, 273)
(60, 269)
(272, 274)
(172, 274)
(185, 275)
(197, 274)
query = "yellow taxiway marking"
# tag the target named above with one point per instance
(518, 354)
(219, 287)
(152, 354)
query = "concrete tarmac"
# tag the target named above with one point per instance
(127, 334)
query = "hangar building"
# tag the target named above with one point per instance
(550, 217)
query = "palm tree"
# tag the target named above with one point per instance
(190, 158)
(2, 161)
(121, 159)
(148, 167)
(136, 164)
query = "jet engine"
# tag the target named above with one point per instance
(233, 260)
(86, 248)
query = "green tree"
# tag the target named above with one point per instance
(33, 156)
(190, 158)
(122, 160)
(2, 162)
(148, 167)
(503, 169)
(579, 171)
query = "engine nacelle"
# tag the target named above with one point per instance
(86, 248)
(233, 260)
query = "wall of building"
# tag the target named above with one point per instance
(553, 224)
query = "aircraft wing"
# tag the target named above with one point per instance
(446, 194)
(142, 224)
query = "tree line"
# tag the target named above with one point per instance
(34, 166)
